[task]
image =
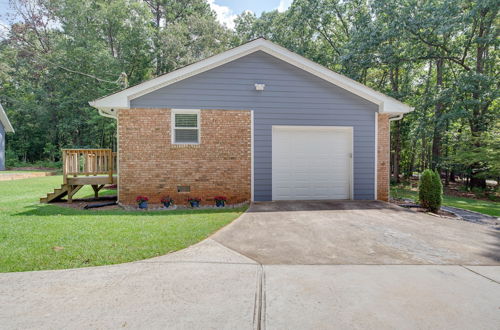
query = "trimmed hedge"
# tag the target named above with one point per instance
(430, 191)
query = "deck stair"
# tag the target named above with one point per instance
(94, 167)
(59, 193)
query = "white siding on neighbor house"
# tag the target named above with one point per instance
(291, 97)
(2, 147)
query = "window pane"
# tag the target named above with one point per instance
(186, 120)
(186, 136)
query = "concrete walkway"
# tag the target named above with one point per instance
(211, 286)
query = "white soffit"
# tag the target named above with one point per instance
(121, 100)
(5, 121)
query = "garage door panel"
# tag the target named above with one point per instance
(311, 163)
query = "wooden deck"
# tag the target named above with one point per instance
(94, 167)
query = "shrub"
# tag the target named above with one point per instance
(430, 192)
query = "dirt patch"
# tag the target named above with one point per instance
(7, 176)
(80, 204)
(455, 189)
(32, 168)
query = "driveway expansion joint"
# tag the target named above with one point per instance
(486, 277)
(194, 262)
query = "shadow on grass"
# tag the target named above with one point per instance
(48, 210)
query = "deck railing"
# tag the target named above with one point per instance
(86, 162)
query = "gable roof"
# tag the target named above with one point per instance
(121, 99)
(5, 121)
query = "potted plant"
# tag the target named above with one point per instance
(194, 201)
(142, 201)
(220, 201)
(167, 201)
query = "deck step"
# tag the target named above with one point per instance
(57, 194)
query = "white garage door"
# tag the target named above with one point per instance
(311, 162)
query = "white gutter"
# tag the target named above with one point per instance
(108, 113)
(398, 117)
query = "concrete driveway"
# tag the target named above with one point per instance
(282, 267)
(357, 233)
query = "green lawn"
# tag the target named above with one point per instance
(32, 234)
(481, 206)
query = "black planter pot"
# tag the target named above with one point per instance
(194, 204)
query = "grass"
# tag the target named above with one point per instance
(476, 205)
(37, 236)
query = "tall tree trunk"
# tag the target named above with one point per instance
(477, 123)
(396, 140)
(438, 112)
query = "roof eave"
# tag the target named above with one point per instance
(5, 121)
(121, 99)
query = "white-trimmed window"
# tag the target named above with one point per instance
(185, 126)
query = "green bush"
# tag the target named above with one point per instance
(430, 191)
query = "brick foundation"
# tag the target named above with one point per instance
(383, 157)
(150, 165)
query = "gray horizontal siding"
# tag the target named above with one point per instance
(291, 97)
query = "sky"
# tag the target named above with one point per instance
(226, 10)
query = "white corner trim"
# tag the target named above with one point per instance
(122, 99)
(5, 121)
(118, 160)
(376, 157)
(252, 173)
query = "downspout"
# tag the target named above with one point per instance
(395, 118)
(112, 115)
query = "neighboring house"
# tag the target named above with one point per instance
(256, 122)
(5, 127)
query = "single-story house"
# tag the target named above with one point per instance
(5, 127)
(257, 122)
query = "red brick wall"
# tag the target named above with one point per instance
(383, 154)
(151, 165)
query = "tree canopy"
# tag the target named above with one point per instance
(439, 56)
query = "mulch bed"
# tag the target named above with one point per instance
(455, 189)
(415, 208)
(80, 203)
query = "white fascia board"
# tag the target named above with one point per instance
(5, 121)
(122, 99)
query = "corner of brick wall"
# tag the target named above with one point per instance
(383, 157)
(151, 165)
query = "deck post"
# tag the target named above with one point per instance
(65, 169)
(97, 188)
